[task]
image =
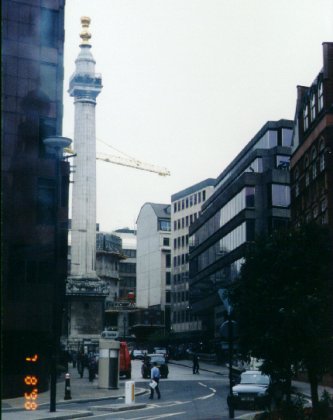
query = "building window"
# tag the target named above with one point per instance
(203, 195)
(175, 225)
(297, 189)
(182, 204)
(320, 97)
(168, 260)
(313, 107)
(314, 170)
(166, 241)
(168, 296)
(280, 195)
(175, 207)
(321, 162)
(168, 278)
(164, 225)
(306, 117)
(307, 178)
(186, 202)
(287, 137)
(199, 197)
(49, 24)
(175, 243)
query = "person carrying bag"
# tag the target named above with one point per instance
(155, 378)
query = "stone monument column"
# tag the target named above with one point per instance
(85, 85)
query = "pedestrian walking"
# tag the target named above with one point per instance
(195, 363)
(155, 375)
(74, 358)
(92, 368)
(82, 362)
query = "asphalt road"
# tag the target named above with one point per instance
(184, 396)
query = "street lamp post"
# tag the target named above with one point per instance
(56, 144)
(231, 350)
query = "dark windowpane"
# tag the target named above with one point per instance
(49, 27)
(249, 196)
(168, 260)
(46, 202)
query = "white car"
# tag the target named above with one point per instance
(138, 354)
(253, 390)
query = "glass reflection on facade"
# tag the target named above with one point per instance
(280, 195)
(251, 198)
(245, 198)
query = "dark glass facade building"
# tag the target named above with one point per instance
(34, 190)
(251, 197)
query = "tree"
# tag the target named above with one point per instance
(283, 303)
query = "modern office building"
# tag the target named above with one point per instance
(251, 197)
(185, 209)
(34, 191)
(153, 260)
(312, 158)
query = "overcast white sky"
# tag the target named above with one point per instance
(186, 85)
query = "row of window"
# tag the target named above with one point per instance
(180, 242)
(242, 233)
(130, 253)
(180, 260)
(311, 173)
(178, 297)
(314, 105)
(182, 316)
(189, 201)
(244, 199)
(180, 278)
(185, 221)
(271, 139)
(127, 268)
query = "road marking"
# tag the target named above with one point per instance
(206, 396)
(160, 416)
(200, 383)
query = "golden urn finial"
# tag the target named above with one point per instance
(85, 35)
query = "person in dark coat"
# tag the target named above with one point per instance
(82, 362)
(195, 363)
(92, 368)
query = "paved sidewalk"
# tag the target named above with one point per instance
(81, 391)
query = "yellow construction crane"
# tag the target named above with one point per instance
(130, 162)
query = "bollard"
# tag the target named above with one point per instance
(129, 392)
(67, 387)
